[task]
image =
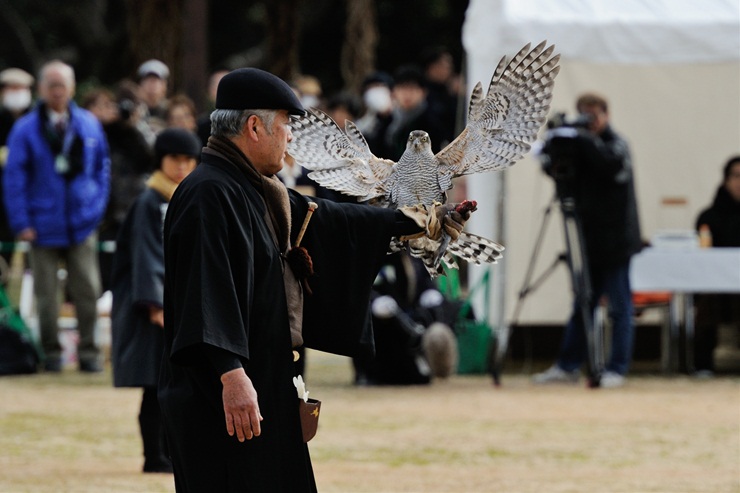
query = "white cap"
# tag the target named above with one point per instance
(16, 76)
(153, 67)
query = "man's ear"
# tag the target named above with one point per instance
(250, 127)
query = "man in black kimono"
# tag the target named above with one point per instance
(234, 311)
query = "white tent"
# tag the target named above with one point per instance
(671, 72)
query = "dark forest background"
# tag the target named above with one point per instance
(338, 41)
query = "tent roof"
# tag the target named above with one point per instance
(608, 31)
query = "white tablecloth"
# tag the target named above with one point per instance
(684, 272)
(703, 270)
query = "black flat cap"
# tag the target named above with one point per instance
(255, 89)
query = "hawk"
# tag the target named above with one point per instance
(501, 125)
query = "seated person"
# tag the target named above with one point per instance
(723, 220)
(413, 338)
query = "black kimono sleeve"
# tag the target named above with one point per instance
(347, 243)
(205, 299)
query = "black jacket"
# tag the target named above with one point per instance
(605, 198)
(138, 282)
(723, 219)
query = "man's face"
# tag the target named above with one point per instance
(105, 109)
(56, 89)
(732, 183)
(15, 97)
(599, 117)
(273, 144)
(408, 95)
(177, 166)
(153, 90)
(181, 117)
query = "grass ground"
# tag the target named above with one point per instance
(75, 433)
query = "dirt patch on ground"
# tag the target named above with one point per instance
(76, 433)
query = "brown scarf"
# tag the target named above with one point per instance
(161, 184)
(277, 203)
(270, 188)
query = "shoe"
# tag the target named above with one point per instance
(703, 374)
(610, 380)
(90, 366)
(53, 365)
(555, 374)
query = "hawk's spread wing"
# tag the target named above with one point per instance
(502, 124)
(338, 160)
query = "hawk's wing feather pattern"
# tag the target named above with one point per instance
(338, 160)
(503, 123)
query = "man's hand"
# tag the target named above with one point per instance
(240, 405)
(28, 234)
(156, 315)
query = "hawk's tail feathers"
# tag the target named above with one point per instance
(476, 249)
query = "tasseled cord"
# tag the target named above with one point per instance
(298, 258)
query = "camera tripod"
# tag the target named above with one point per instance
(577, 261)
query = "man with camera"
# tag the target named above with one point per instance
(593, 171)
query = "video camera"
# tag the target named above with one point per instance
(126, 108)
(560, 150)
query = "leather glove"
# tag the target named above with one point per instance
(419, 214)
(450, 218)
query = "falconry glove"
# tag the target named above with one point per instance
(418, 214)
(444, 218)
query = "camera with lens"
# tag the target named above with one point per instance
(126, 108)
(563, 139)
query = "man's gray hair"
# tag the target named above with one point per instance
(230, 123)
(66, 70)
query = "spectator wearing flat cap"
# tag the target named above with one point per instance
(234, 305)
(153, 76)
(138, 283)
(16, 99)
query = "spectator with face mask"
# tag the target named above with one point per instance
(15, 96)
(376, 96)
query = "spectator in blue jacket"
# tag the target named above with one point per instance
(56, 189)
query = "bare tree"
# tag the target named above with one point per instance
(361, 39)
(17, 32)
(194, 67)
(282, 37)
(155, 31)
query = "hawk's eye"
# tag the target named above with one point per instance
(424, 139)
(411, 137)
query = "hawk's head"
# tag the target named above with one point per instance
(419, 142)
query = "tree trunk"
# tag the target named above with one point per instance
(17, 33)
(194, 67)
(155, 31)
(282, 38)
(361, 39)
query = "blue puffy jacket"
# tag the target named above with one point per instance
(63, 210)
